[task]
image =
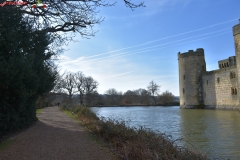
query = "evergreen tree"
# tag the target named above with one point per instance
(26, 69)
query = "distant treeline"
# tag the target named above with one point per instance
(132, 105)
(80, 89)
(138, 97)
(129, 98)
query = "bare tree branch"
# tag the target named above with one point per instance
(69, 16)
(131, 5)
(154, 89)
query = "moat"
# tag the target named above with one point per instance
(214, 132)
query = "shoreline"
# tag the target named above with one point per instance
(132, 143)
(212, 107)
(226, 108)
(159, 105)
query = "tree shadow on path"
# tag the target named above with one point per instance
(54, 136)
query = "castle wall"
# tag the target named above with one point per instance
(216, 89)
(191, 66)
(236, 34)
(220, 89)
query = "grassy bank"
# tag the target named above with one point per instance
(132, 143)
(38, 111)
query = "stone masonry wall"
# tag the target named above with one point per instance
(236, 34)
(191, 64)
(217, 88)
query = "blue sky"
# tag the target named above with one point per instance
(131, 48)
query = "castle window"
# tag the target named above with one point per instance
(232, 90)
(183, 90)
(203, 68)
(218, 80)
(219, 65)
(222, 66)
(227, 64)
(234, 75)
(231, 75)
(235, 91)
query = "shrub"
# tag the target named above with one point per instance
(134, 143)
(26, 70)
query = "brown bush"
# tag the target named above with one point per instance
(135, 143)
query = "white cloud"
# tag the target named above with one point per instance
(119, 73)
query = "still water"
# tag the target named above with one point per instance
(213, 132)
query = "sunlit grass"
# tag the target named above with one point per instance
(38, 111)
(70, 114)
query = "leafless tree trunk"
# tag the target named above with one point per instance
(144, 96)
(68, 83)
(154, 89)
(80, 85)
(90, 88)
(58, 84)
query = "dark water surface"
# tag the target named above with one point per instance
(214, 132)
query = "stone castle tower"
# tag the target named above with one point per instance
(191, 67)
(212, 89)
(236, 34)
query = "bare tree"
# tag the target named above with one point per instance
(90, 88)
(143, 96)
(93, 99)
(58, 84)
(130, 97)
(112, 97)
(69, 16)
(80, 85)
(68, 83)
(154, 89)
(166, 98)
(119, 98)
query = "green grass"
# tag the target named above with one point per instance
(6, 143)
(73, 116)
(69, 113)
(38, 111)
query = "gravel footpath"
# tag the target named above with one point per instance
(54, 137)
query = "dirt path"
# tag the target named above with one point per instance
(55, 137)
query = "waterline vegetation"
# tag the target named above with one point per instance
(132, 143)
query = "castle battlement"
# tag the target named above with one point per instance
(225, 63)
(213, 89)
(236, 29)
(198, 52)
(219, 70)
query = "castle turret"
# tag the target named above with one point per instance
(236, 34)
(191, 66)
